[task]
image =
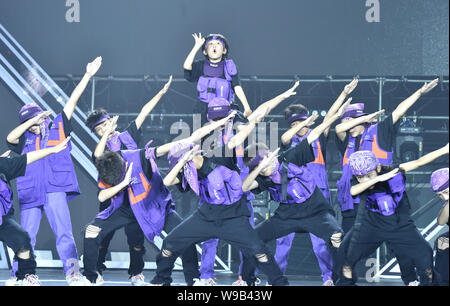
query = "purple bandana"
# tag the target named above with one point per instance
(362, 162)
(189, 171)
(439, 180)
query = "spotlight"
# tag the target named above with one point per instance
(409, 143)
(314, 112)
(323, 113)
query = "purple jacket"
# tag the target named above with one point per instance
(317, 167)
(385, 203)
(369, 141)
(300, 185)
(54, 173)
(149, 200)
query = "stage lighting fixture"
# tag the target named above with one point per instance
(323, 113)
(409, 142)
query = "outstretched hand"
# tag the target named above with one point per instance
(388, 176)
(291, 91)
(427, 87)
(127, 179)
(166, 86)
(269, 160)
(62, 145)
(94, 66)
(373, 117)
(344, 106)
(348, 89)
(199, 40)
(191, 154)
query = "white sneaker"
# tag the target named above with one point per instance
(75, 280)
(414, 283)
(12, 282)
(328, 283)
(31, 280)
(239, 282)
(138, 280)
(204, 282)
(98, 282)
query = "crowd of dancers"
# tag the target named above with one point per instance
(225, 174)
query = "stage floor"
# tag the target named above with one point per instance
(54, 277)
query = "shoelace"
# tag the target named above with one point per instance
(139, 277)
(32, 279)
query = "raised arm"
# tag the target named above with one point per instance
(108, 193)
(110, 128)
(348, 125)
(171, 177)
(243, 98)
(39, 154)
(151, 104)
(196, 136)
(91, 70)
(199, 41)
(289, 134)
(250, 182)
(428, 158)
(361, 187)
(348, 89)
(408, 102)
(316, 132)
(266, 107)
(14, 135)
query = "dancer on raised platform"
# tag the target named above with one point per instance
(216, 75)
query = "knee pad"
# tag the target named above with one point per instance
(92, 232)
(442, 244)
(336, 239)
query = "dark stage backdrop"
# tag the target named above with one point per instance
(267, 37)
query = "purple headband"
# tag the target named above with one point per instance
(295, 117)
(260, 154)
(362, 162)
(439, 180)
(215, 38)
(354, 111)
(101, 120)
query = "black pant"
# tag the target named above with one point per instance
(236, 231)
(441, 261)
(122, 217)
(322, 224)
(406, 242)
(15, 237)
(407, 270)
(134, 234)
